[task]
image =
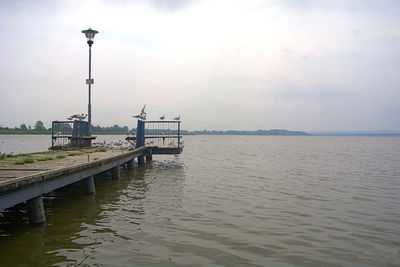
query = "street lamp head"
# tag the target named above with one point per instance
(89, 33)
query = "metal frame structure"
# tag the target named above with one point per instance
(164, 137)
(70, 133)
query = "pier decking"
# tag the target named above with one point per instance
(26, 177)
(55, 169)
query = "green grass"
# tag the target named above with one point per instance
(4, 155)
(101, 149)
(45, 159)
(60, 156)
(24, 160)
(23, 155)
(95, 158)
(75, 154)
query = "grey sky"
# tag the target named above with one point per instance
(220, 64)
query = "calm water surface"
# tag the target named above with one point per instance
(226, 201)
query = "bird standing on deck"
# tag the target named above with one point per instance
(177, 118)
(162, 117)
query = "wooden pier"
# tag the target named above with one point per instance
(47, 171)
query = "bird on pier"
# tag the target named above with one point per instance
(177, 118)
(140, 117)
(132, 132)
(72, 117)
(162, 117)
(143, 112)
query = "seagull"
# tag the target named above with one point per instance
(132, 132)
(141, 117)
(162, 117)
(75, 116)
(143, 112)
(177, 118)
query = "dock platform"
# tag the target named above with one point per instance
(26, 177)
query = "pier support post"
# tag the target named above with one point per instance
(140, 160)
(130, 165)
(149, 157)
(89, 186)
(36, 211)
(115, 172)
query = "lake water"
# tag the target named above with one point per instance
(225, 201)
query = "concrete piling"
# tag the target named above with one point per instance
(36, 211)
(141, 160)
(115, 172)
(149, 157)
(89, 186)
(130, 165)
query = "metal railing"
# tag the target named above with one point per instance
(70, 133)
(161, 134)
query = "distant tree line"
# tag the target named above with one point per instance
(235, 132)
(39, 128)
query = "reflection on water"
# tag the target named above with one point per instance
(227, 201)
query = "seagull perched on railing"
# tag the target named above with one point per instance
(78, 117)
(162, 117)
(82, 117)
(75, 116)
(143, 112)
(142, 115)
(177, 118)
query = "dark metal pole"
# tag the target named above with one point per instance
(90, 81)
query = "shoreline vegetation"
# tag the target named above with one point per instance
(183, 132)
(39, 129)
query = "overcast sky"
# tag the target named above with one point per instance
(220, 64)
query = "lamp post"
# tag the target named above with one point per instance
(89, 33)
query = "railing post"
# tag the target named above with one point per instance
(140, 133)
(52, 134)
(179, 134)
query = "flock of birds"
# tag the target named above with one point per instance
(77, 117)
(143, 114)
(123, 145)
